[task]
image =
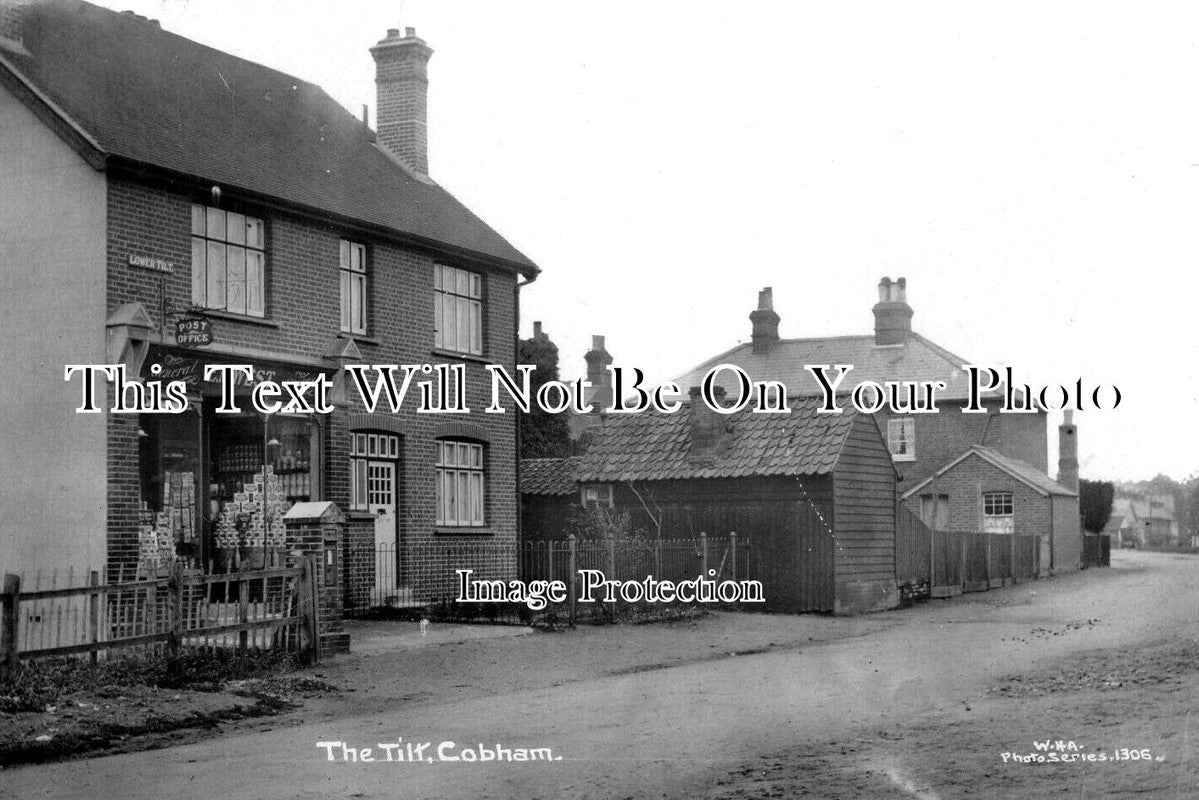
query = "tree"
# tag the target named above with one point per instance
(1192, 509)
(1095, 503)
(542, 435)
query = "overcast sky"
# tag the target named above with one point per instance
(1030, 169)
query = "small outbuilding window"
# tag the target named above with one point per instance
(597, 495)
(997, 513)
(901, 439)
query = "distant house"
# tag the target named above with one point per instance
(1147, 520)
(813, 495)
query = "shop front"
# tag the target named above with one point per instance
(215, 486)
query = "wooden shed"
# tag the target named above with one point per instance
(814, 495)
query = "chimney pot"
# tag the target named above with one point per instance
(598, 359)
(410, 33)
(892, 314)
(401, 110)
(765, 322)
(1067, 452)
(711, 432)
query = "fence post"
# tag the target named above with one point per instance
(243, 611)
(93, 615)
(987, 557)
(703, 553)
(733, 558)
(1012, 571)
(963, 542)
(549, 558)
(12, 623)
(175, 606)
(610, 538)
(307, 592)
(570, 541)
(932, 560)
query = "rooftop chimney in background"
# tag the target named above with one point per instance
(12, 18)
(402, 90)
(1067, 452)
(765, 322)
(892, 314)
(538, 334)
(710, 432)
(598, 358)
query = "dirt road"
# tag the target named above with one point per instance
(884, 706)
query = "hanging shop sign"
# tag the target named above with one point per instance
(193, 332)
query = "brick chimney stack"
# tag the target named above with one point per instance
(598, 358)
(1067, 452)
(765, 322)
(12, 20)
(710, 431)
(402, 86)
(892, 314)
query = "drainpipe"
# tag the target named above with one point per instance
(520, 512)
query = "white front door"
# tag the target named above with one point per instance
(381, 501)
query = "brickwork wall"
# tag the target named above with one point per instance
(402, 104)
(302, 320)
(358, 564)
(965, 485)
(1067, 534)
(943, 436)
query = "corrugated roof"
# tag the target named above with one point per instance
(552, 477)
(917, 359)
(651, 446)
(152, 97)
(1018, 469)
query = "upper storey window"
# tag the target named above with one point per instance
(457, 310)
(228, 261)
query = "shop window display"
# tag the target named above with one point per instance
(215, 487)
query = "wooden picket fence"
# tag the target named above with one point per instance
(274, 607)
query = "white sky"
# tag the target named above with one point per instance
(1029, 168)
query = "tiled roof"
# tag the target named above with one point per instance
(554, 477)
(1018, 469)
(151, 97)
(917, 359)
(650, 446)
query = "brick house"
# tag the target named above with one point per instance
(923, 445)
(149, 179)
